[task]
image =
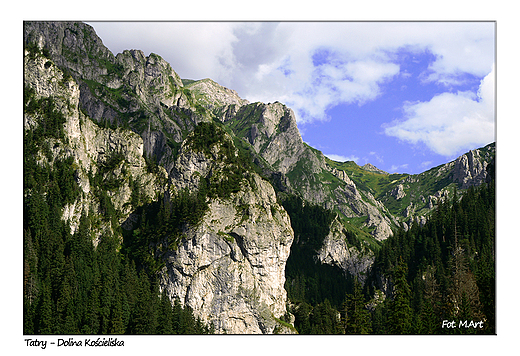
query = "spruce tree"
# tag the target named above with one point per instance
(430, 319)
(464, 291)
(400, 310)
(301, 318)
(117, 325)
(357, 318)
(165, 316)
(45, 317)
(379, 319)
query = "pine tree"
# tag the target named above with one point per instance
(30, 270)
(176, 317)
(65, 302)
(91, 322)
(357, 318)
(429, 313)
(464, 292)
(165, 316)
(379, 319)
(400, 311)
(301, 318)
(28, 317)
(117, 325)
(144, 314)
(45, 316)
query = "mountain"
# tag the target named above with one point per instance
(196, 183)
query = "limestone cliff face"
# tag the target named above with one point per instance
(336, 252)
(90, 146)
(230, 269)
(131, 90)
(352, 203)
(73, 45)
(276, 137)
(470, 169)
(272, 131)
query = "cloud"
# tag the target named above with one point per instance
(339, 82)
(450, 122)
(340, 158)
(426, 164)
(195, 50)
(400, 167)
(377, 157)
(310, 66)
(313, 67)
(468, 51)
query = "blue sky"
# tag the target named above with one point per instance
(403, 96)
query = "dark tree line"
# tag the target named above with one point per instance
(71, 286)
(318, 290)
(443, 271)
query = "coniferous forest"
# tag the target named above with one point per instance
(98, 270)
(442, 271)
(437, 275)
(72, 286)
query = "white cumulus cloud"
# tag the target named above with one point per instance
(450, 122)
(399, 167)
(341, 158)
(310, 66)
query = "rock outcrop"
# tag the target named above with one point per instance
(336, 252)
(128, 120)
(131, 90)
(272, 131)
(213, 96)
(90, 146)
(230, 269)
(398, 192)
(371, 168)
(470, 169)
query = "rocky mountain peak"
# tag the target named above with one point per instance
(470, 168)
(230, 267)
(151, 78)
(272, 132)
(134, 134)
(214, 96)
(371, 168)
(73, 45)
